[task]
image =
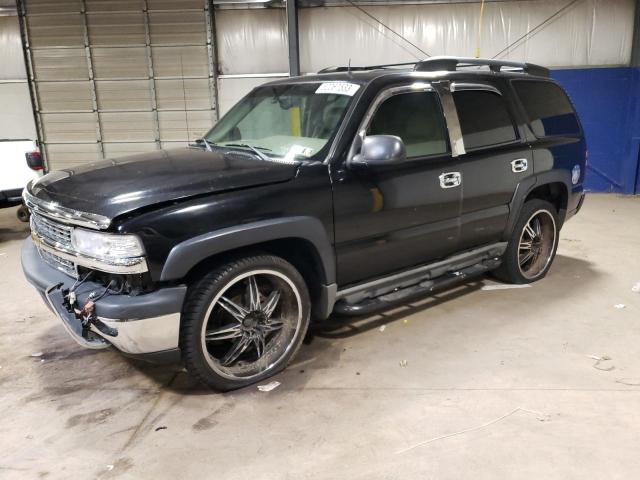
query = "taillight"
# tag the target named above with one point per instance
(34, 160)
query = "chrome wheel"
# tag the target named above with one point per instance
(537, 244)
(251, 324)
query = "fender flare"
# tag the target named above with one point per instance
(186, 255)
(524, 188)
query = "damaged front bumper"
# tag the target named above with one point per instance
(145, 325)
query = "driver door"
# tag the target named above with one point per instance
(392, 217)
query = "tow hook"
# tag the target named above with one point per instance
(87, 314)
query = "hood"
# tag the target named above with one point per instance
(115, 187)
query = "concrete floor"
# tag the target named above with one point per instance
(509, 370)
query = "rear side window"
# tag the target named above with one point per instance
(484, 118)
(416, 118)
(548, 108)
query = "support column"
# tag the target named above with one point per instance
(212, 54)
(152, 75)
(292, 35)
(92, 74)
(635, 46)
(33, 90)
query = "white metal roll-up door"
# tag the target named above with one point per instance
(115, 77)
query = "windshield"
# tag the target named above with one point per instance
(292, 121)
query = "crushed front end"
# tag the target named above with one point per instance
(97, 283)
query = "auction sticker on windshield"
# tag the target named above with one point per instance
(338, 88)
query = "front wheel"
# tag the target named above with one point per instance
(533, 244)
(244, 321)
(23, 214)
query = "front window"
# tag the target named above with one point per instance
(294, 121)
(416, 118)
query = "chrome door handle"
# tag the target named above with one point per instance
(450, 179)
(519, 165)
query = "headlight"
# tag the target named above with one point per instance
(112, 248)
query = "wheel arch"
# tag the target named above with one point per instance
(555, 193)
(302, 235)
(302, 241)
(553, 186)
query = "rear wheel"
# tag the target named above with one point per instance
(244, 321)
(533, 244)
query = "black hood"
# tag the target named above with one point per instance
(115, 187)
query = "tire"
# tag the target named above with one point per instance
(23, 214)
(537, 216)
(230, 336)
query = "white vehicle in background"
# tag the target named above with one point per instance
(20, 162)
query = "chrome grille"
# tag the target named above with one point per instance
(54, 233)
(59, 263)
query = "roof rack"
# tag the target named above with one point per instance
(343, 69)
(368, 67)
(451, 64)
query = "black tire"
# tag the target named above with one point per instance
(266, 344)
(536, 267)
(23, 214)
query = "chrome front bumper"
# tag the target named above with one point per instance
(136, 325)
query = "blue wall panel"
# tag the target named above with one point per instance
(608, 102)
(634, 128)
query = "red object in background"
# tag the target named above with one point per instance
(34, 160)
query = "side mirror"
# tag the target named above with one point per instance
(380, 150)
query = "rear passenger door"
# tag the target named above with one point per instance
(496, 160)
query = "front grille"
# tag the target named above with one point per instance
(59, 263)
(52, 232)
(56, 235)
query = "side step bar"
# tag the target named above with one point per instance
(400, 287)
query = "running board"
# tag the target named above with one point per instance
(401, 287)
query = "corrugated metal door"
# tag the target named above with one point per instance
(115, 77)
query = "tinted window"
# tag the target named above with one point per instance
(289, 120)
(484, 118)
(414, 117)
(548, 108)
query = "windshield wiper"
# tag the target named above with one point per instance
(206, 143)
(252, 148)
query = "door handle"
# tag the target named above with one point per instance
(450, 179)
(519, 165)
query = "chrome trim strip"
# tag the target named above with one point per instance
(451, 117)
(146, 335)
(460, 86)
(67, 215)
(132, 265)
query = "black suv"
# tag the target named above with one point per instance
(347, 191)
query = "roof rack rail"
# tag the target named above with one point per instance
(360, 69)
(342, 69)
(452, 63)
